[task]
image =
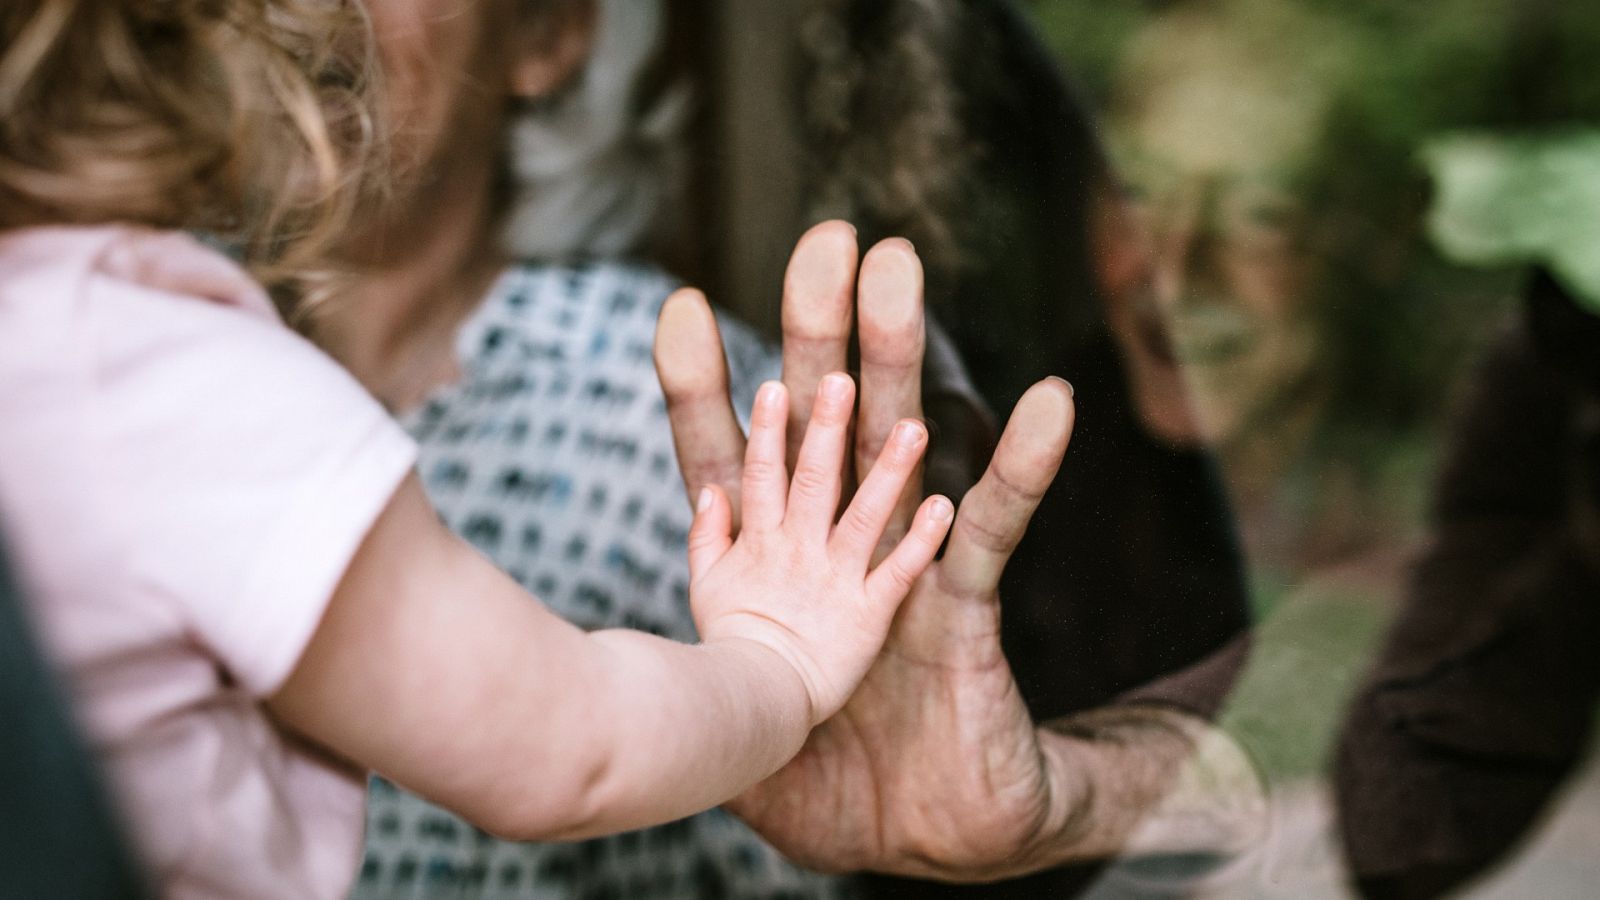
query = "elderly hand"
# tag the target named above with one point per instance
(934, 768)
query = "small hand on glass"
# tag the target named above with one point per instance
(793, 580)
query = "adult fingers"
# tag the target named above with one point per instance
(694, 379)
(893, 339)
(995, 513)
(818, 299)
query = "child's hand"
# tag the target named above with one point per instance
(795, 581)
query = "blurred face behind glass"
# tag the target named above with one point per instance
(1213, 147)
(450, 68)
(432, 53)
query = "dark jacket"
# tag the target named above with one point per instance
(58, 834)
(1482, 701)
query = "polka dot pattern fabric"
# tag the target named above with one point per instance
(553, 456)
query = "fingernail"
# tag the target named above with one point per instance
(907, 433)
(941, 510)
(768, 395)
(704, 502)
(835, 387)
(1070, 389)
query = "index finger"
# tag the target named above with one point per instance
(994, 514)
(694, 380)
(818, 302)
(893, 338)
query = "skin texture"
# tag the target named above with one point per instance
(940, 701)
(934, 768)
(791, 613)
(427, 252)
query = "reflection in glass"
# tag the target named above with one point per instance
(1280, 159)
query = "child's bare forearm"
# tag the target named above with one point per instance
(678, 729)
(493, 707)
(434, 669)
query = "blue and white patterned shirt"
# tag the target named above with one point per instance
(553, 456)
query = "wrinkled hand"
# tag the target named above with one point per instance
(934, 767)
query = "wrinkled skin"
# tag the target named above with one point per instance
(934, 768)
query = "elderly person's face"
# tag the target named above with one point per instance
(1213, 152)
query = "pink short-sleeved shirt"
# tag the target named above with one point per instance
(183, 481)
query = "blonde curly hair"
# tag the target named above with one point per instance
(249, 120)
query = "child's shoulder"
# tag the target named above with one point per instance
(45, 272)
(56, 248)
(87, 299)
(59, 272)
(154, 332)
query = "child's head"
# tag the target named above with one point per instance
(245, 118)
(254, 120)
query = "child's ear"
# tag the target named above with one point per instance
(547, 54)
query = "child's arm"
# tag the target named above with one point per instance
(434, 669)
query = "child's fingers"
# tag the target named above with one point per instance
(893, 579)
(766, 475)
(711, 533)
(861, 526)
(814, 491)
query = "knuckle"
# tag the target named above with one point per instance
(812, 483)
(962, 586)
(762, 470)
(691, 399)
(724, 470)
(1013, 489)
(899, 574)
(703, 537)
(858, 526)
(988, 536)
(1022, 475)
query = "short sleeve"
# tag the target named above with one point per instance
(249, 465)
